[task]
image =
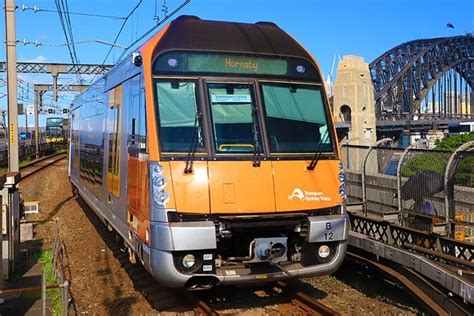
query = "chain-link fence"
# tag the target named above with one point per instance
(408, 186)
(377, 188)
(421, 194)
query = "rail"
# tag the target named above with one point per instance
(429, 296)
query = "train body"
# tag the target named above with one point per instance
(211, 150)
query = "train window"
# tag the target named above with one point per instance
(235, 123)
(178, 116)
(296, 119)
(114, 132)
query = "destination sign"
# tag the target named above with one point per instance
(215, 63)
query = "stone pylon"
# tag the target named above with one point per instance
(354, 103)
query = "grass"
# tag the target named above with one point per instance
(46, 259)
(61, 151)
(26, 160)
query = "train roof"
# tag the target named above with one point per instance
(193, 33)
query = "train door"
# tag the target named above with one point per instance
(239, 180)
(114, 126)
(137, 198)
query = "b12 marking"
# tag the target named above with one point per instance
(330, 235)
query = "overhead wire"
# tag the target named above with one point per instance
(36, 9)
(154, 27)
(120, 30)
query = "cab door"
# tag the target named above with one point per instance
(240, 181)
(182, 143)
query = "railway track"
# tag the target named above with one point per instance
(39, 164)
(290, 299)
(431, 297)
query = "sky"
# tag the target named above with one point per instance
(329, 29)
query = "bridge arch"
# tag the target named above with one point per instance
(405, 75)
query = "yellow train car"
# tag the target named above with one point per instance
(211, 150)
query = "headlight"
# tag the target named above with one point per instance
(188, 261)
(324, 251)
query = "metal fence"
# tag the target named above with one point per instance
(59, 274)
(427, 190)
(28, 148)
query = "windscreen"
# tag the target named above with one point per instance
(178, 116)
(54, 123)
(296, 118)
(233, 118)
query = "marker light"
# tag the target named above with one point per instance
(324, 251)
(173, 62)
(300, 69)
(161, 197)
(342, 176)
(188, 261)
(342, 192)
(158, 183)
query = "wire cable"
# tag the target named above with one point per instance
(155, 27)
(120, 31)
(36, 9)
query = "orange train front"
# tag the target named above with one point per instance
(211, 151)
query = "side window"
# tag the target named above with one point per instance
(113, 140)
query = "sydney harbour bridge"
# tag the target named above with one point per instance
(425, 79)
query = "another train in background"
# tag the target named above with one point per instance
(57, 129)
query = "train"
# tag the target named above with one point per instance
(56, 129)
(212, 153)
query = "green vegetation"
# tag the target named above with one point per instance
(26, 160)
(61, 151)
(452, 142)
(437, 161)
(430, 161)
(46, 259)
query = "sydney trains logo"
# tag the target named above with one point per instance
(308, 196)
(297, 193)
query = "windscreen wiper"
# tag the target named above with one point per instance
(317, 154)
(256, 145)
(188, 168)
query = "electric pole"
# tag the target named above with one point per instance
(10, 193)
(11, 86)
